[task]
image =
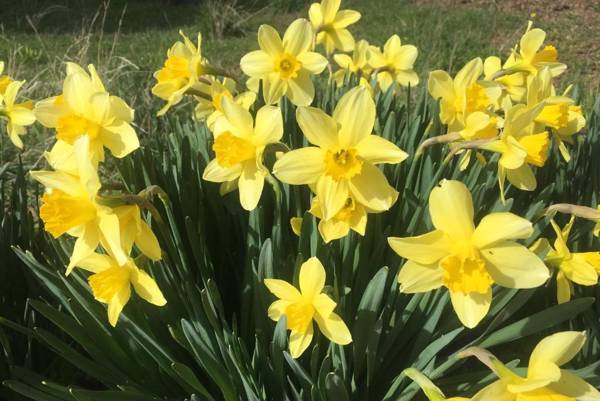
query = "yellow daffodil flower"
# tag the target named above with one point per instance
(571, 267)
(239, 146)
(181, 72)
(302, 307)
(394, 64)
(285, 66)
(531, 57)
(463, 95)
(465, 259)
(520, 150)
(70, 205)
(545, 380)
(358, 64)
(352, 216)
(513, 85)
(211, 110)
(343, 162)
(17, 115)
(479, 125)
(4, 79)
(330, 23)
(134, 230)
(111, 283)
(431, 391)
(559, 113)
(85, 108)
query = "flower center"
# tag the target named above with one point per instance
(287, 66)
(477, 99)
(464, 270)
(548, 54)
(70, 127)
(231, 150)
(62, 212)
(537, 146)
(106, 284)
(175, 68)
(299, 316)
(554, 115)
(343, 164)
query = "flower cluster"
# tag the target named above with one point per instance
(86, 119)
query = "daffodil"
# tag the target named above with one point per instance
(479, 125)
(571, 267)
(330, 23)
(302, 307)
(559, 113)
(394, 64)
(70, 206)
(4, 79)
(531, 57)
(431, 391)
(239, 146)
(134, 230)
(544, 380)
(352, 216)
(85, 108)
(17, 115)
(465, 259)
(463, 95)
(342, 164)
(182, 72)
(210, 109)
(357, 64)
(285, 66)
(513, 85)
(111, 283)
(520, 150)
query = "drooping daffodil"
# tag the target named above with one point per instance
(85, 108)
(394, 64)
(239, 145)
(545, 380)
(330, 24)
(285, 66)
(467, 259)
(302, 307)
(343, 161)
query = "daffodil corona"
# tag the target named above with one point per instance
(285, 66)
(465, 259)
(343, 163)
(239, 145)
(303, 307)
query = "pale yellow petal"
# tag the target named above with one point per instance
(251, 183)
(277, 309)
(468, 75)
(269, 125)
(117, 303)
(355, 114)
(299, 342)
(146, 287)
(501, 227)
(415, 277)
(333, 229)
(84, 246)
(371, 189)
(376, 150)
(274, 88)
(333, 327)
(424, 249)
(564, 288)
(557, 349)
(514, 266)
(440, 85)
(121, 139)
(346, 17)
(269, 40)
(147, 243)
(471, 308)
(332, 194)
(257, 63)
(451, 208)
(575, 387)
(300, 166)
(523, 178)
(298, 37)
(301, 90)
(319, 128)
(315, 15)
(283, 290)
(312, 278)
(315, 63)
(214, 172)
(531, 42)
(96, 263)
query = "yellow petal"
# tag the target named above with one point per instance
(299, 342)
(440, 85)
(117, 303)
(415, 277)
(274, 88)
(250, 184)
(58, 180)
(471, 308)
(298, 37)
(121, 139)
(315, 15)
(333, 327)
(214, 172)
(564, 288)
(575, 387)
(84, 247)
(501, 227)
(556, 349)
(319, 128)
(346, 17)
(312, 278)
(315, 63)
(301, 166)
(451, 208)
(147, 242)
(531, 43)
(240, 119)
(283, 290)
(332, 194)
(424, 249)
(269, 125)
(111, 237)
(257, 63)
(376, 150)
(358, 220)
(330, 9)
(269, 40)
(468, 75)
(496, 391)
(371, 189)
(514, 266)
(355, 113)
(301, 90)
(578, 270)
(146, 287)
(96, 263)
(333, 229)
(277, 309)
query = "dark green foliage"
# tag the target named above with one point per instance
(213, 339)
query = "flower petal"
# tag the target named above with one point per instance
(575, 387)
(315, 63)
(147, 242)
(556, 349)
(251, 184)
(376, 150)
(514, 266)
(451, 208)
(239, 118)
(319, 128)
(269, 125)
(578, 270)
(312, 278)
(301, 90)
(333, 327)
(96, 263)
(332, 194)
(277, 309)
(298, 37)
(468, 75)
(269, 40)
(121, 139)
(355, 113)
(424, 249)
(471, 308)
(415, 277)
(214, 172)
(146, 288)
(501, 227)
(257, 63)
(300, 166)
(371, 189)
(283, 290)
(522, 178)
(299, 342)
(84, 246)
(117, 303)
(274, 88)
(345, 17)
